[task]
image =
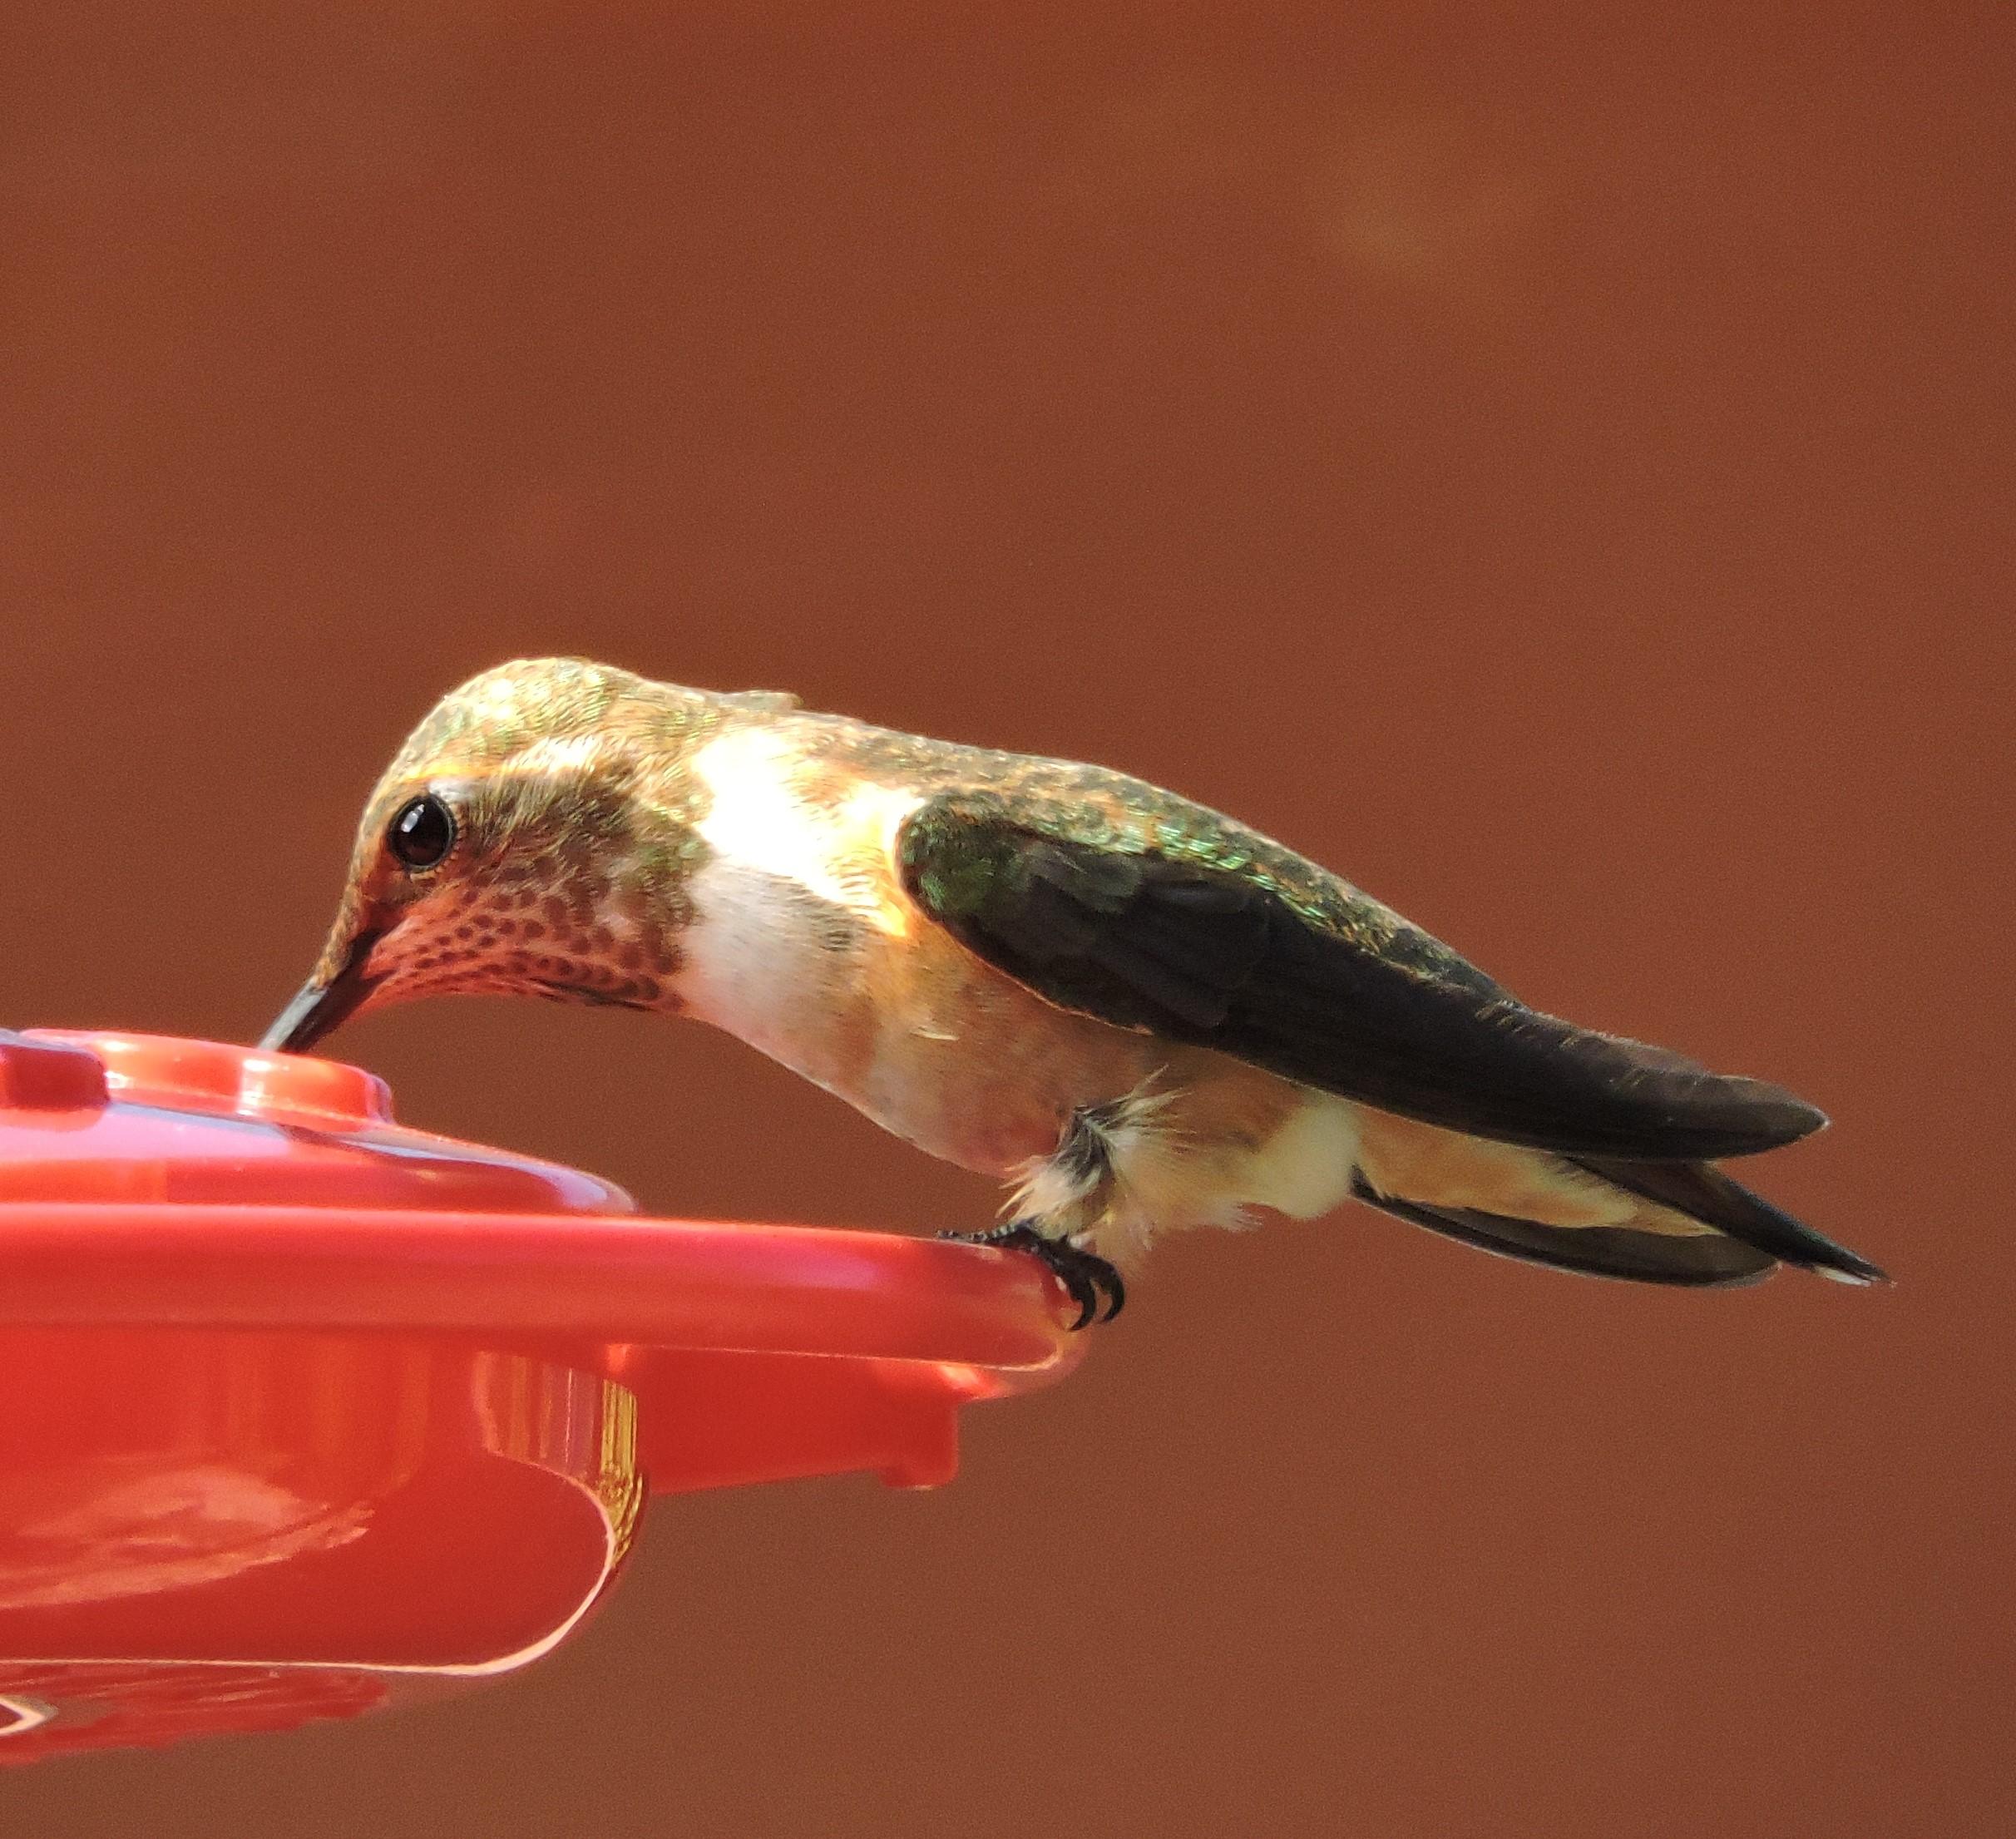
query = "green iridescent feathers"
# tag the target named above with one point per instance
(1320, 986)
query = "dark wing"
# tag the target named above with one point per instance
(1380, 1013)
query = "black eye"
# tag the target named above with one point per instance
(423, 831)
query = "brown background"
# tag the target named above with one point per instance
(1560, 476)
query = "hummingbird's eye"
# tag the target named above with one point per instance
(422, 832)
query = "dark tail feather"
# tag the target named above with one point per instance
(1698, 1258)
(1704, 1193)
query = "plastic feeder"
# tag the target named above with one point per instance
(305, 1413)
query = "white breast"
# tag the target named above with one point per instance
(795, 888)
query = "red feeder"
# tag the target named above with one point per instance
(305, 1411)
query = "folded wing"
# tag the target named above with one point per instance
(1378, 1012)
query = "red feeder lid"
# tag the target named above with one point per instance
(150, 1179)
(312, 1401)
(151, 1118)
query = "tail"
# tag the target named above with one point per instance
(1700, 1191)
(1697, 1226)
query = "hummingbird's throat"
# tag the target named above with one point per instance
(521, 940)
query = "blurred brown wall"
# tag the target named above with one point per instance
(1561, 475)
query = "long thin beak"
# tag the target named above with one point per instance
(320, 1008)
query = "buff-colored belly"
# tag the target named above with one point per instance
(949, 1053)
(930, 1043)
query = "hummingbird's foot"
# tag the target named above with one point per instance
(1094, 1284)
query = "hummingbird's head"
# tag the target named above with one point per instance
(529, 839)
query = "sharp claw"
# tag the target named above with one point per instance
(1088, 1280)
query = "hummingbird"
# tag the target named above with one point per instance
(1136, 1013)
